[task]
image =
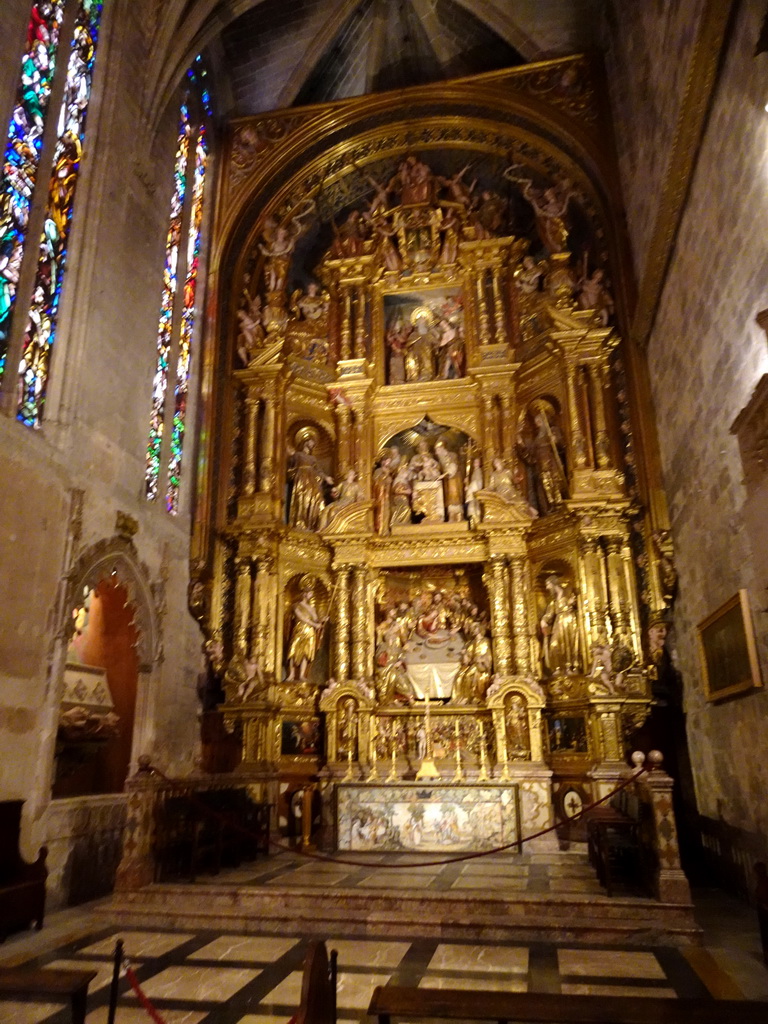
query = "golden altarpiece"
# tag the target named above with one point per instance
(424, 557)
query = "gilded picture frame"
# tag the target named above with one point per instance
(728, 652)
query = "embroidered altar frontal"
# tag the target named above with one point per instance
(441, 818)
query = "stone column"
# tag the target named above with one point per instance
(137, 864)
(597, 392)
(346, 324)
(251, 444)
(498, 578)
(242, 602)
(521, 638)
(341, 635)
(266, 469)
(482, 308)
(359, 622)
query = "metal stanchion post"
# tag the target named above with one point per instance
(113, 989)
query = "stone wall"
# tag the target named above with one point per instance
(93, 441)
(706, 355)
(648, 47)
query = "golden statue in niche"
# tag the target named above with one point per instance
(442, 384)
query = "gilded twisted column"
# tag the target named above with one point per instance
(267, 461)
(520, 635)
(242, 602)
(578, 440)
(602, 441)
(499, 588)
(359, 621)
(482, 309)
(489, 427)
(507, 424)
(359, 322)
(343, 418)
(499, 316)
(341, 635)
(594, 589)
(251, 442)
(619, 599)
(346, 325)
(630, 588)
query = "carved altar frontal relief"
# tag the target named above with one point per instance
(432, 818)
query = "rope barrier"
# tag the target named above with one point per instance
(328, 858)
(140, 995)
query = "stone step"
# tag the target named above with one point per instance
(525, 917)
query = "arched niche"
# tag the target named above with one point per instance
(111, 632)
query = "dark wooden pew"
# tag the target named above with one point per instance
(29, 981)
(22, 885)
(538, 1008)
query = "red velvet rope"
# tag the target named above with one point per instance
(131, 976)
(311, 855)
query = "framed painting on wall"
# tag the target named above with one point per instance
(728, 652)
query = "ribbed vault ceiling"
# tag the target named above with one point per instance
(268, 54)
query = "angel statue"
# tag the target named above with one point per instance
(279, 243)
(550, 206)
(251, 333)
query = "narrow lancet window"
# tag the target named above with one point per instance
(22, 152)
(52, 256)
(187, 324)
(165, 327)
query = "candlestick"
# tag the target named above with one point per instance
(459, 773)
(482, 775)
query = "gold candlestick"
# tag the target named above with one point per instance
(392, 777)
(373, 775)
(505, 777)
(459, 773)
(482, 775)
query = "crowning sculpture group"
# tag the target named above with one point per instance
(429, 551)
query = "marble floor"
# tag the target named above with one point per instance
(206, 977)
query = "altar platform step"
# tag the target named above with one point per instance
(542, 898)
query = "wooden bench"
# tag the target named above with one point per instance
(318, 987)
(29, 981)
(22, 885)
(538, 1008)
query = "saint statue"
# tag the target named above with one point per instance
(560, 646)
(307, 499)
(473, 677)
(382, 495)
(543, 454)
(517, 730)
(453, 484)
(502, 483)
(402, 491)
(473, 485)
(305, 634)
(346, 492)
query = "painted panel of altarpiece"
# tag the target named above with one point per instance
(428, 818)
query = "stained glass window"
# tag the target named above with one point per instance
(43, 313)
(187, 324)
(165, 327)
(22, 152)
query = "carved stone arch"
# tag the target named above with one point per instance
(116, 559)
